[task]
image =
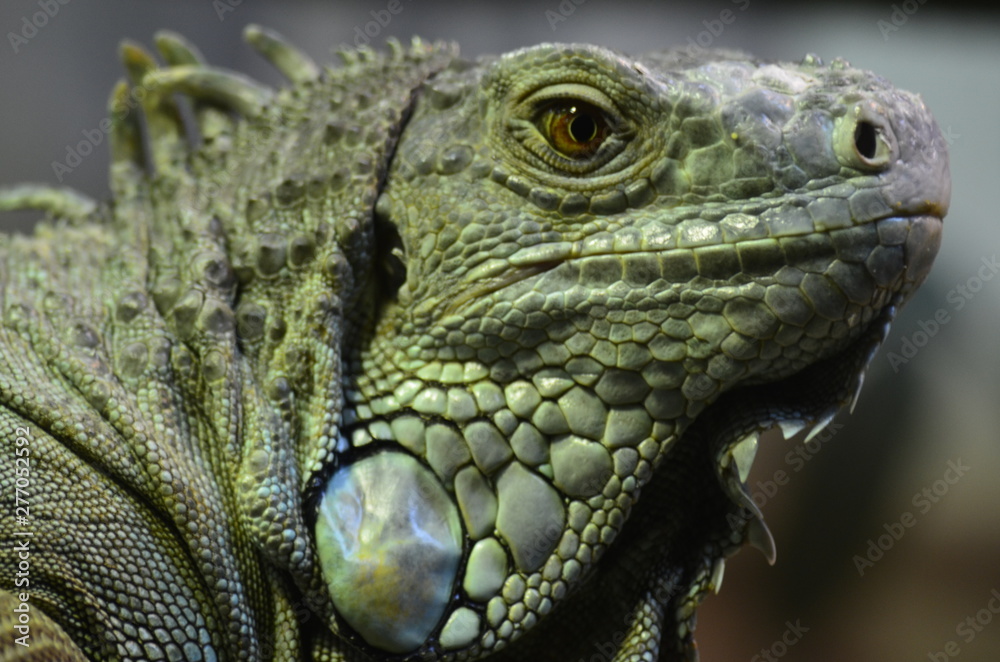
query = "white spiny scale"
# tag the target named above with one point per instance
(718, 572)
(741, 498)
(857, 391)
(760, 538)
(821, 425)
(743, 454)
(791, 427)
(757, 533)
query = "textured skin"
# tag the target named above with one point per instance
(398, 257)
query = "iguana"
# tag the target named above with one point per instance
(422, 358)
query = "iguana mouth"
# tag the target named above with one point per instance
(735, 262)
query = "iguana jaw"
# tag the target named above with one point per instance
(732, 426)
(806, 402)
(648, 561)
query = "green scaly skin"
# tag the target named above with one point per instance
(534, 368)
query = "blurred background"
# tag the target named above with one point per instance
(930, 591)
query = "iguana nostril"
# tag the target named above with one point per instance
(865, 137)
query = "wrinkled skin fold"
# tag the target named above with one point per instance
(427, 359)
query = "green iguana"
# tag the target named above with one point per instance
(428, 359)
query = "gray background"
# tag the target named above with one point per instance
(941, 406)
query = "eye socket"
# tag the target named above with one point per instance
(574, 128)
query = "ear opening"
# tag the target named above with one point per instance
(390, 255)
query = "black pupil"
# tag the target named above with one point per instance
(582, 128)
(865, 137)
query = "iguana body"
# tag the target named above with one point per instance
(427, 359)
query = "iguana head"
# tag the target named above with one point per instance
(599, 278)
(468, 360)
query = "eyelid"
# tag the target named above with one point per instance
(566, 91)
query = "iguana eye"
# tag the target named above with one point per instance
(570, 128)
(575, 129)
